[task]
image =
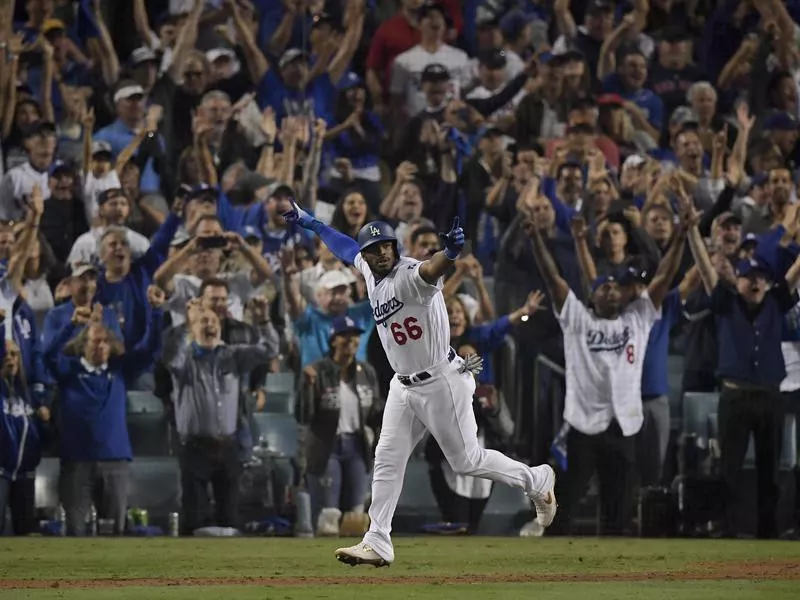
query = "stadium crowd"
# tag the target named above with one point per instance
(592, 148)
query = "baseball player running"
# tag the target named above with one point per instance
(432, 389)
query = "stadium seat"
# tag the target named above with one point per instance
(280, 389)
(149, 434)
(278, 432)
(675, 366)
(697, 406)
(144, 402)
(155, 486)
(46, 484)
(788, 451)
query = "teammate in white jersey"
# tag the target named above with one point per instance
(433, 387)
(604, 348)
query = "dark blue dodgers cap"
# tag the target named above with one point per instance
(751, 267)
(344, 325)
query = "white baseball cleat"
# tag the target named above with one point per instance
(545, 501)
(361, 554)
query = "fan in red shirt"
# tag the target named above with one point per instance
(395, 36)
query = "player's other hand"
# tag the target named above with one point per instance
(453, 241)
(299, 216)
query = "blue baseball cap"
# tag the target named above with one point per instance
(513, 22)
(749, 239)
(758, 180)
(350, 80)
(753, 266)
(343, 326)
(60, 166)
(602, 280)
(252, 233)
(630, 274)
(781, 122)
(202, 190)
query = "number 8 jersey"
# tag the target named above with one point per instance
(604, 361)
(410, 314)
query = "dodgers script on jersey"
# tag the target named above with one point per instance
(604, 359)
(411, 316)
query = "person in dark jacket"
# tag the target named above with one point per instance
(341, 406)
(91, 371)
(20, 439)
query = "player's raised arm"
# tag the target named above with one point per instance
(556, 286)
(343, 247)
(437, 265)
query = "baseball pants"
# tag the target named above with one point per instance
(443, 406)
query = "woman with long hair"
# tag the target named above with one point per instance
(20, 439)
(357, 136)
(351, 213)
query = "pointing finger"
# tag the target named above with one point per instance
(456, 222)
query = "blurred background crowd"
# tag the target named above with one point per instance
(156, 304)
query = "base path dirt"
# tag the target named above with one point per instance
(695, 572)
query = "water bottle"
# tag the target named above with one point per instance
(174, 524)
(61, 518)
(91, 529)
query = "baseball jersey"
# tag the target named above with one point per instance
(604, 359)
(407, 73)
(410, 315)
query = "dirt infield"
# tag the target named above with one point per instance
(754, 571)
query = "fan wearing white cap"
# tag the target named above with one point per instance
(129, 128)
(99, 171)
(114, 208)
(333, 299)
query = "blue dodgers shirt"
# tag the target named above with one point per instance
(317, 99)
(314, 327)
(654, 373)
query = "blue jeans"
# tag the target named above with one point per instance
(344, 484)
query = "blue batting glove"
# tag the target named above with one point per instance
(300, 217)
(453, 241)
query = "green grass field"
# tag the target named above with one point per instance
(455, 567)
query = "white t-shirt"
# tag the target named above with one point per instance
(8, 296)
(92, 187)
(407, 73)
(187, 287)
(39, 298)
(349, 420)
(84, 250)
(604, 359)
(16, 188)
(411, 316)
(481, 92)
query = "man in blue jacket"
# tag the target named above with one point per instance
(91, 369)
(82, 289)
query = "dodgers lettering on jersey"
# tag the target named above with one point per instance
(604, 361)
(411, 316)
(600, 341)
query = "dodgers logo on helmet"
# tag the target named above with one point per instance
(375, 232)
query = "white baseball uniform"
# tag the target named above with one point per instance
(604, 360)
(415, 333)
